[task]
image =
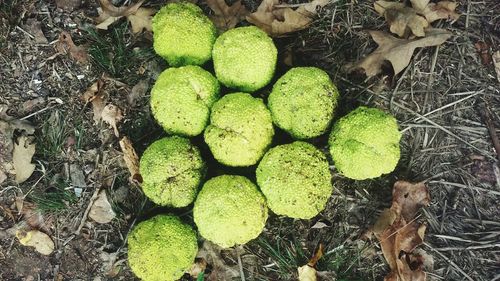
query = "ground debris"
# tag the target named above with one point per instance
(101, 210)
(37, 239)
(66, 45)
(131, 159)
(226, 17)
(308, 272)
(140, 18)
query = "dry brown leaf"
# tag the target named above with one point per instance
(95, 95)
(279, 20)
(111, 114)
(436, 11)
(114, 11)
(402, 234)
(34, 27)
(65, 45)
(308, 272)
(101, 210)
(496, 63)
(198, 267)
(23, 151)
(131, 159)
(211, 253)
(33, 216)
(397, 51)
(226, 17)
(484, 52)
(401, 18)
(35, 238)
(142, 19)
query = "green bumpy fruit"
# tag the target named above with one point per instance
(161, 248)
(172, 170)
(303, 102)
(364, 144)
(230, 210)
(240, 130)
(181, 99)
(244, 58)
(183, 35)
(296, 180)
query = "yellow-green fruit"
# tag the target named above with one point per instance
(181, 99)
(161, 248)
(296, 180)
(183, 35)
(364, 144)
(230, 210)
(244, 58)
(240, 130)
(303, 102)
(172, 170)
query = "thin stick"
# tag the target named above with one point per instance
(488, 120)
(240, 265)
(450, 261)
(86, 213)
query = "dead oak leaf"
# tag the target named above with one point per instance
(401, 18)
(226, 17)
(436, 11)
(131, 159)
(111, 114)
(408, 198)
(65, 45)
(140, 18)
(279, 20)
(397, 51)
(22, 154)
(308, 271)
(95, 95)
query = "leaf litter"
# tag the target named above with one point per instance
(400, 234)
(308, 271)
(226, 16)
(140, 18)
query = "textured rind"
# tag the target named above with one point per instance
(161, 248)
(181, 99)
(365, 143)
(295, 179)
(172, 170)
(183, 35)
(240, 130)
(244, 58)
(303, 102)
(230, 210)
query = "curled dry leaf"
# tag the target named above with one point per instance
(139, 18)
(101, 210)
(226, 17)
(131, 159)
(399, 233)
(397, 51)
(401, 18)
(95, 95)
(65, 45)
(308, 272)
(279, 20)
(35, 238)
(436, 11)
(24, 150)
(142, 19)
(111, 114)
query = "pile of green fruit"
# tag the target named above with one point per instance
(293, 179)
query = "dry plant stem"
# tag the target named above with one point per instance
(86, 213)
(450, 261)
(240, 266)
(488, 120)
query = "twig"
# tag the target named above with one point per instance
(86, 213)
(488, 120)
(450, 261)
(240, 265)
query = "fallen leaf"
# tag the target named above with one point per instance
(139, 18)
(484, 52)
(131, 159)
(279, 20)
(401, 18)
(101, 210)
(496, 63)
(436, 11)
(397, 51)
(65, 44)
(23, 151)
(226, 17)
(142, 19)
(111, 114)
(35, 238)
(95, 95)
(400, 234)
(211, 253)
(308, 272)
(198, 267)
(34, 27)
(33, 216)
(138, 91)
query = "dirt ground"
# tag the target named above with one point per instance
(447, 103)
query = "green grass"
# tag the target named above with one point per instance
(287, 254)
(50, 143)
(55, 198)
(113, 51)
